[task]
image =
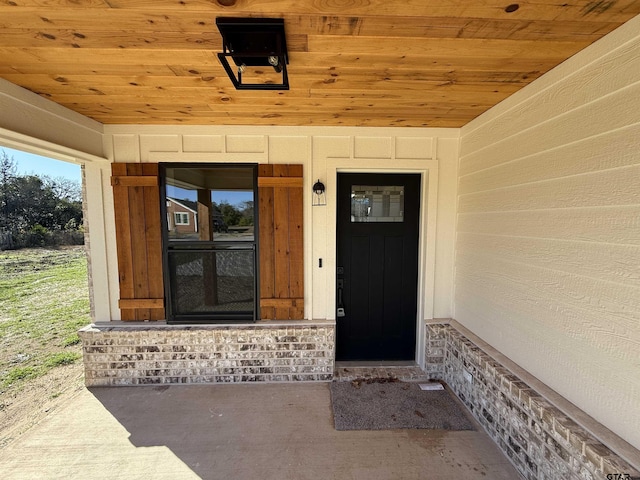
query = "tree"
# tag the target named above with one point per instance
(64, 188)
(68, 214)
(32, 206)
(8, 168)
(230, 214)
(34, 203)
(247, 213)
(7, 178)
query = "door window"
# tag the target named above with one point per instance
(377, 203)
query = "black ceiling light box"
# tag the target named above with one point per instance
(250, 43)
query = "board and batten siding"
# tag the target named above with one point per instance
(547, 266)
(322, 152)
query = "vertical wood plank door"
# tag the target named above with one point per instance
(377, 269)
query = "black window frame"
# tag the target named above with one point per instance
(169, 246)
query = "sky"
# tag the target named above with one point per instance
(218, 196)
(27, 163)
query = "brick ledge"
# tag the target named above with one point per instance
(603, 444)
(117, 325)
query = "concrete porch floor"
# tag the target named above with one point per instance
(247, 431)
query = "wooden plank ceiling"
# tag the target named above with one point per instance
(419, 63)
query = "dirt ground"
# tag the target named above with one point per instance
(21, 409)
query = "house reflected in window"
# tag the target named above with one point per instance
(210, 244)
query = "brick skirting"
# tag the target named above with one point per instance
(542, 441)
(261, 352)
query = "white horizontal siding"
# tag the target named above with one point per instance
(596, 189)
(591, 154)
(602, 306)
(572, 126)
(603, 261)
(615, 225)
(548, 230)
(557, 94)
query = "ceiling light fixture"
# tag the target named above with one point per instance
(250, 43)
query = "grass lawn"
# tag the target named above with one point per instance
(44, 300)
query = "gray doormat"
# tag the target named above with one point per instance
(384, 404)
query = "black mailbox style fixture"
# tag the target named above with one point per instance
(254, 42)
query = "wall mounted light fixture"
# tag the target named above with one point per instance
(253, 43)
(319, 197)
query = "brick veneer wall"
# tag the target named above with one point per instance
(138, 355)
(541, 441)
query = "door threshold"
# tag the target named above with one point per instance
(405, 371)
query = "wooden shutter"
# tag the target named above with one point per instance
(138, 237)
(136, 198)
(281, 247)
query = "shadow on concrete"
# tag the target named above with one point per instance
(285, 431)
(226, 431)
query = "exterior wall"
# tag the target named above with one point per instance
(541, 439)
(142, 355)
(323, 152)
(548, 238)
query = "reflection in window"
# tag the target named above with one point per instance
(213, 282)
(377, 203)
(215, 203)
(181, 218)
(210, 243)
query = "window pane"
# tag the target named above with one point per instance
(181, 218)
(377, 203)
(210, 203)
(213, 282)
(210, 246)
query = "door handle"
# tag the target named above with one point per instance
(340, 307)
(340, 310)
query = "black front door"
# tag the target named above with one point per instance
(377, 267)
